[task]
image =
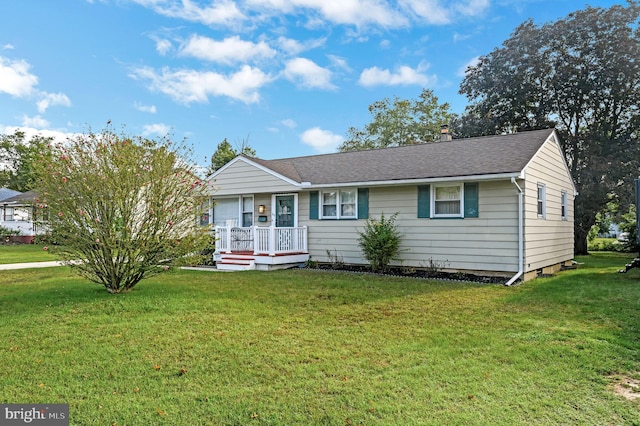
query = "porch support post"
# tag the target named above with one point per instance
(256, 241)
(272, 241)
(305, 248)
(228, 238)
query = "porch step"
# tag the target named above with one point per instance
(236, 263)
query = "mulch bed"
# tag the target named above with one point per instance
(412, 273)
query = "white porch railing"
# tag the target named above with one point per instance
(261, 240)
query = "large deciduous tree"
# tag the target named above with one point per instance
(580, 74)
(124, 208)
(17, 157)
(399, 122)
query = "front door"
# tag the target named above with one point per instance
(284, 211)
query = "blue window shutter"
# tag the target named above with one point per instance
(363, 203)
(424, 201)
(471, 199)
(313, 204)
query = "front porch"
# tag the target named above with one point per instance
(259, 247)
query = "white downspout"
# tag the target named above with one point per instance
(520, 234)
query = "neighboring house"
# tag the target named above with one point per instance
(492, 205)
(16, 213)
(7, 193)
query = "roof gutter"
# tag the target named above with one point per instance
(474, 178)
(520, 234)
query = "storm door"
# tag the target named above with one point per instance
(284, 211)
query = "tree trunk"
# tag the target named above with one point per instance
(580, 242)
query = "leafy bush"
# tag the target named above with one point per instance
(6, 233)
(380, 241)
(124, 208)
(628, 225)
(608, 244)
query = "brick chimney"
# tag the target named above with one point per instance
(444, 133)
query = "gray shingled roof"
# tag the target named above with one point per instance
(487, 155)
(21, 198)
(6, 193)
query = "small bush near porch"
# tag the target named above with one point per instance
(311, 347)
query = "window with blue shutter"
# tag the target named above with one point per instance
(313, 204)
(471, 199)
(424, 201)
(363, 203)
(448, 200)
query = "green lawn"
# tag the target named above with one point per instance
(20, 253)
(320, 348)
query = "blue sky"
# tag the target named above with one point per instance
(291, 76)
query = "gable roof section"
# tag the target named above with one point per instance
(21, 198)
(502, 155)
(7, 193)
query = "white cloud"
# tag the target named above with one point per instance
(349, 12)
(460, 37)
(288, 123)
(402, 76)
(223, 12)
(295, 47)
(188, 86)
(308, 74)
(472, 7)
(146, 108)
(436, 13)
(156, 129)
(228, 51)
(163, 46)
(15, 78)
(323, 141)
(52, 99)
(57, 135)
(8, 46)
(462, 71)
(36, 121)
(339, 62)
(431, 11)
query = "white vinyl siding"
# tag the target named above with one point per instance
(487, 243)
(241, 178)
(550, 241)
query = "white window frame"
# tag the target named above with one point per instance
(339, 203)
(541, 200)
(564, 205)
(207, 210)
(239, 211)
(243, 211)
(460, 214)
(9, 214)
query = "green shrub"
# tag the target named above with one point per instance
(608, 244)
(380, 241)
(6, 233)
